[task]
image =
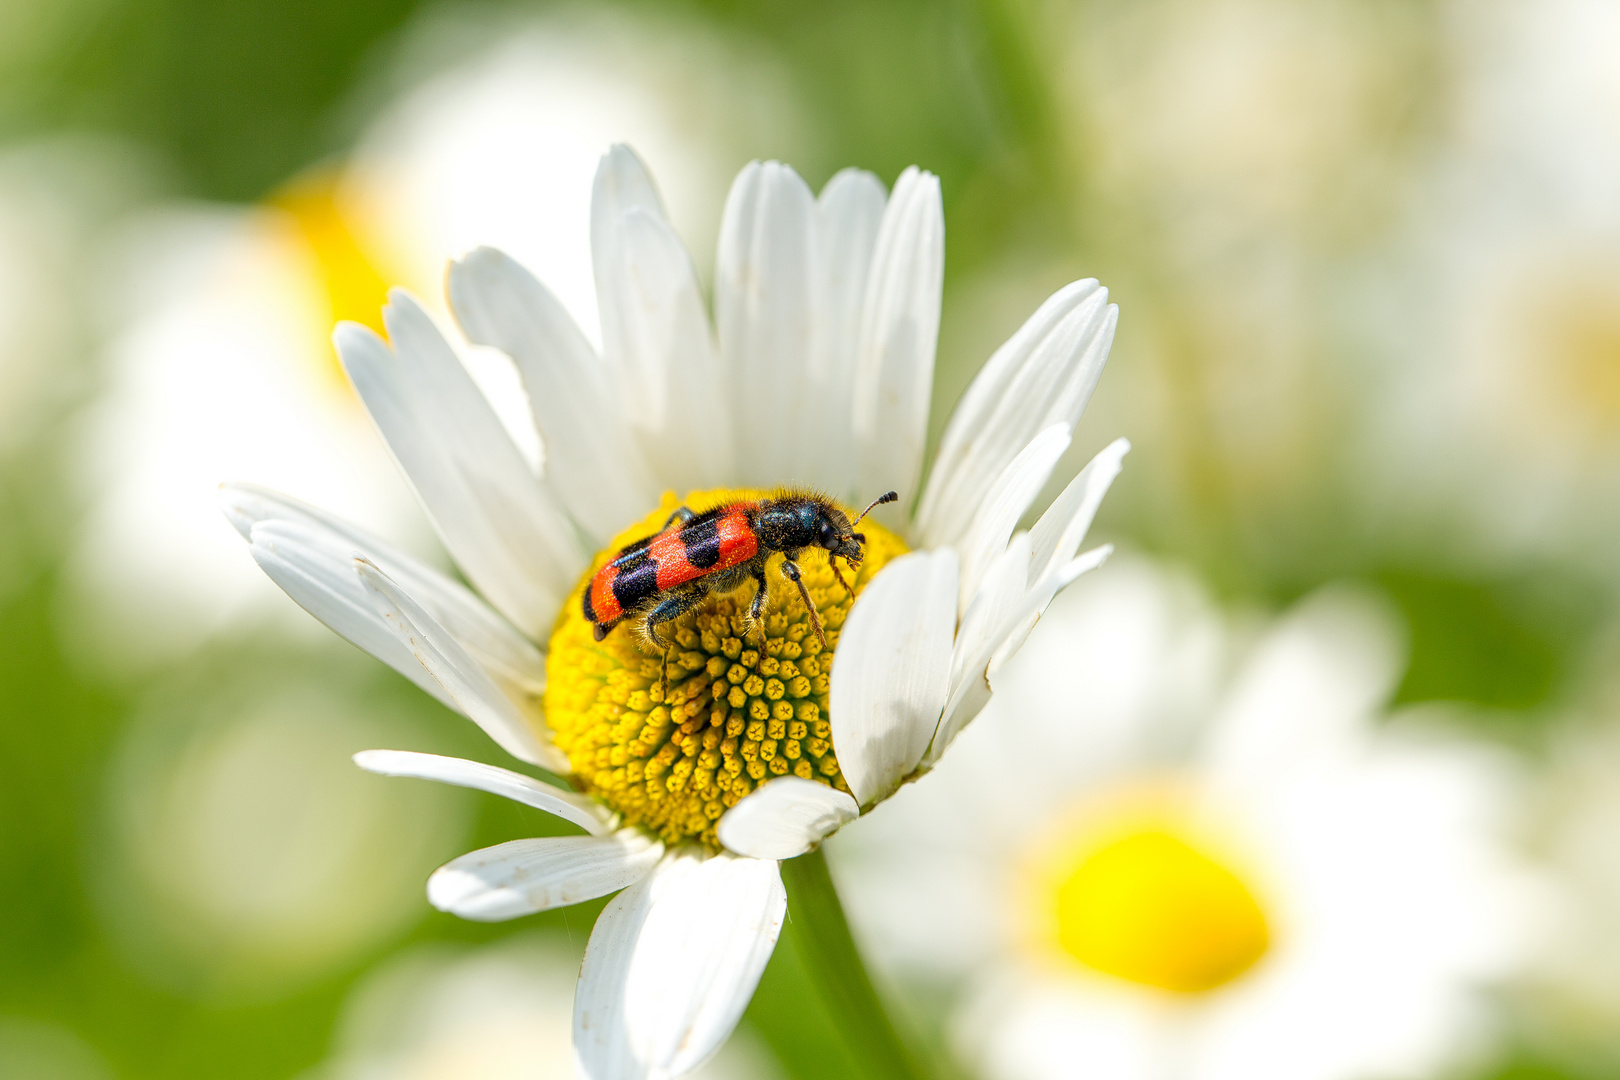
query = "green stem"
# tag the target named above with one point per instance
(827, 949)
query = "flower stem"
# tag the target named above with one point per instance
(827, 949)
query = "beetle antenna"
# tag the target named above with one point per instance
(886, 497)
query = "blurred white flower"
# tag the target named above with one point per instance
(221, 362)
(1237, 155)
(503, 1012)
(1501, 309)
(1148, 869)
(1511, 398)
(1537, 101)
(1210, 119)
(245, 855)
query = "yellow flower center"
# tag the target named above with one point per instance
(347, 276)
(739, 710)
(1553, 331)
(1583, 349)
(1146, 898)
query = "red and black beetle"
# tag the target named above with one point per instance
(665, 575)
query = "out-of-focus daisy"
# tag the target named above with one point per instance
(1146, 868)
(1210, 119)
(221, 361)
(1507, 388)
(826, 312)
(504, 1012)
(1503, 305)
(1236, 155)
(1536, 103)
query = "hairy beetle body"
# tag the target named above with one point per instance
(661, 577)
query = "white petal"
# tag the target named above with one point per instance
(891, 671)
(598, 473)
(655, 332)
(622, 184)
(894, 365)
(1062, 529)
(1000, 594)
(1043, 375)
(1005, 503)
(672, 963)
(850, 212)
(322, 582)
(497, 518)
(993, 644)
(582, 810)
(521, 877)
(1040, 597)
(785, 817)
(507, 655)
(763, 296)
(468, 685)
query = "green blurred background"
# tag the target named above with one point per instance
(1311, 212)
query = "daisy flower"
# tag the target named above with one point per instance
(818, 371)
(1200, 875)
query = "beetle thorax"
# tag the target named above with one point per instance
(788, 524)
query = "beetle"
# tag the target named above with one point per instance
(663, 576)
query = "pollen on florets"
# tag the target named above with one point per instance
(738, 712)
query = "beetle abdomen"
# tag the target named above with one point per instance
(711, 542)
(706, 545)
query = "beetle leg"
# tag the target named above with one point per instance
(665, 647)
(790, 570)
(756, 607)
(673, 607)
(682, 514)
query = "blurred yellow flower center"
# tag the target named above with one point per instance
(738, 711)
(1583, 342)
(347, 276)
(1146, 904)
